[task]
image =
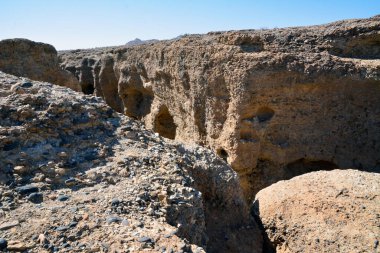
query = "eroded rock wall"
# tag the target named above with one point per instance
(272, 103)
(38, 61)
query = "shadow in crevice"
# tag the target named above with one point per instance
(268, 245)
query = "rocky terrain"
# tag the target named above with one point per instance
(168, 146)
(78, 177)
(334, 211)
(273, 103)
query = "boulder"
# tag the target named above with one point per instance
(324, 211)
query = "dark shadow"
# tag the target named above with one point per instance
(303, 166)
(222, 153)
(264, 114)
(164, 123)
(268, 245)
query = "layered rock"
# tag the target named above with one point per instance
(38, 61)
(77, 176)
(334, 211)
(272, 103)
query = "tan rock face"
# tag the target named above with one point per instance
(335, 211)
(38, 61)
(273, 103)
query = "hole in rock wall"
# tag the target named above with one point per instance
(264, 114)
(164, 123)
(137, 103)
(303, 166)
(88, 88)
(222, 153)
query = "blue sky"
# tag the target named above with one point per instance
(70, 24)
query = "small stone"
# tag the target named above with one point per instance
(62, 198)
(62, 154)
(27, 189)
(3, 244)
(115, 202)
(73, 224)
(20, 170)
(26, 85)
(62, 228)
(145, 239)
(113, 219)
(36, 197)
(125, 222)
(85, 216)
(71, 181)
(42, 239)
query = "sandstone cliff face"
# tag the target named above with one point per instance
(325, 211)
(272, 103)
(77, 176)
(38, 61)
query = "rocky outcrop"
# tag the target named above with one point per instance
(77, 176)
(273, 103)
(335, 211)
(38, 61)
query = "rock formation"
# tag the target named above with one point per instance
(77, 176)
(334, 211)
(38, 61)
(273, 103)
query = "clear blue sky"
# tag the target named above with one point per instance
(70, 24)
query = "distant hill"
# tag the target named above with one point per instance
(137, 41)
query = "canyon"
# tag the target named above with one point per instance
(195, 144)
(273, 103)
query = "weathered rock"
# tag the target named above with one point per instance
(38, 61)
(273, 103)
(3, 244)
(335, 211)
(161, 186)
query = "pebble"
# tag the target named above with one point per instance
(71, 181)
(36, 197)
(145, 239)
(62, 198)
(3, 244)
(115, 202)
(20, 169)
(62, 228)
(27, 189)
(26, 85)
(113, 219)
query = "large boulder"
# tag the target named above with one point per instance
(325, 211)
(273, 103)
(37, 61)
